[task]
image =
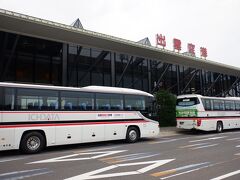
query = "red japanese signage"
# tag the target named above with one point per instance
(203, 52)
(191, 49)
(160, 40)
(177, 44)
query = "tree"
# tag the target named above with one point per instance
(166, 108)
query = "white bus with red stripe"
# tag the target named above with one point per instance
(33, 117)
(207, 113)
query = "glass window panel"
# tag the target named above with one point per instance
(237, 105)
(77, 101)
(218, 105)
(32, 99)
(134, 102)
(9, 99)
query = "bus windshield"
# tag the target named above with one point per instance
(187, 101)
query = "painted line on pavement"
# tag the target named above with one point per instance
(163, 173)
(201, 147)
(15, 175)
(193, 145)
(208, 139)
(227, 175)
(185, 172)
(96, 149)
(232, 139)
(167, 141)
(10, 159)
(129, 158)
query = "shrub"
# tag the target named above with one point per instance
(166, 108)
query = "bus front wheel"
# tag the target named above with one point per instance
(132, 134)
(219, 127)
(32, 142)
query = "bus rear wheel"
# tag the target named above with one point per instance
(32, 142)
(219, 128)
(132, 135)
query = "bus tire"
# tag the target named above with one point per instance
(219, 128)
(32, 142)
(132, 135)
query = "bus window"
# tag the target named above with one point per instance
(86, 101)
(116, 102)
(218, 105)
(9, 99)
(136, 103)
(69, 101)
(1, 98)
(33, 99)
(103, 101)
(207, 104)
(237, 105)
(229, 105)
(187, 101)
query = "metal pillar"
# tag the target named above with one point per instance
(211, 86)
(100, 57)
(125, 69)
(194, 74)
(113, 71)
(5, 70)
(64, 64)
(160, 78)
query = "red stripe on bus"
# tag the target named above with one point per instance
(69, 124)
(67, 112)
(207, 118)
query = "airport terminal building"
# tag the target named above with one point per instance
(34, 50)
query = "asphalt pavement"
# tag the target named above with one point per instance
(175, 154)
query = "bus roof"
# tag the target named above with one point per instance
(101, 89)
(208, 97)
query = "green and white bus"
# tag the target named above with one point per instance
(207, 113)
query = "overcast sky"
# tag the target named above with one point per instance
(214, 24)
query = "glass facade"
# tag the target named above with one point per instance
(33, 60)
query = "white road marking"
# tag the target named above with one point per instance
(193, 145)
(210, 145)
(96, 149)
(227, 175)
(135, 158)
(96, 155)
(167, 141)
(92, 174)
(11, 159)
(238, 146)
(24, 174)
(185, 172)
(233, 139)
(208, 139)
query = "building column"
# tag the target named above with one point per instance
(64, 64)
(113, 74)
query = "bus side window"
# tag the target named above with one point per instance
(85, 101)
(237, 105)
(218, 105)
(103, 101)
(207, 104)
(34, 99)
(136, 103)
(1, 98)
(9, 99)
(229, 105)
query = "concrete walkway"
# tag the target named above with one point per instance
(170, 131)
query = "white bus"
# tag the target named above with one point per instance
(207, 113)
(35, 116)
